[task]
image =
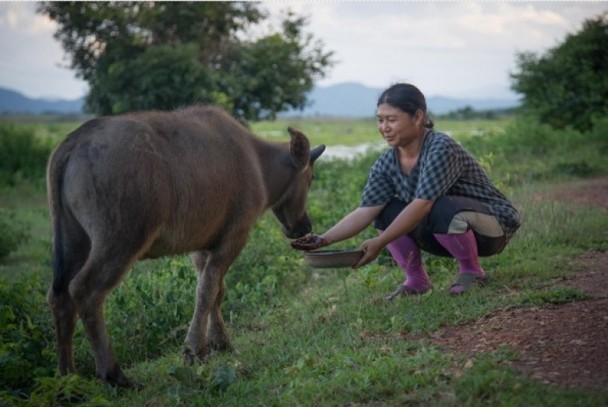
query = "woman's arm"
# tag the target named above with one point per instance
(349, 226)
(404, 223)
(352, 224)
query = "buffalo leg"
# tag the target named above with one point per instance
(195, 345)
(64, 317)
(209, 291)
(89, 289)
(217, 334)
(71, 256)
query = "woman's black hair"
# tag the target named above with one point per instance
(408, 98)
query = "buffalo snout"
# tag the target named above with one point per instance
(302, 228)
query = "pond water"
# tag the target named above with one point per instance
(349, 152)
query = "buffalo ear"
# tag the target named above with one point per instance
(316, 153)
(299, 149)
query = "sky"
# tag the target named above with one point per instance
(447, 48)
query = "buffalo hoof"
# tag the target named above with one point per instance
(221, 346)
(191, 357)
(117, 378)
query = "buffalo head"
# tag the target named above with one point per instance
(290, 210)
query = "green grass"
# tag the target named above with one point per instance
(304, 336)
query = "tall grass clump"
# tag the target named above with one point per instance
(22, 155)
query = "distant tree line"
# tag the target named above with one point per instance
(469, 113)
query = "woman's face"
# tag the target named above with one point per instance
(397, 127)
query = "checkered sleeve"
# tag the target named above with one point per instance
(441, 166)
(379, 189)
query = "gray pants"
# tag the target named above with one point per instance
(450, 215)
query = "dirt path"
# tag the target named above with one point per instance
(567, 344)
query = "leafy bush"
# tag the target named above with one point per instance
(599, 134)
(26, 335)
(22, 155)
(528, 150)
(67, 390)
(12, 232)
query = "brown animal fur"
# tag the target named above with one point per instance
(151, 184)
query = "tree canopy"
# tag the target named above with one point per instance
(165, 55)
(568, 86)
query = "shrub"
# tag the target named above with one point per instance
(599, 133)
(528, 150)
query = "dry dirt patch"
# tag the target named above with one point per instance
(565, 345)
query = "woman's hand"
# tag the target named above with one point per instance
(310, 242)
(371, 249)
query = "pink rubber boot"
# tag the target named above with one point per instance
(406, 254)
(463, 247)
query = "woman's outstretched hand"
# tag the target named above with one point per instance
(310, 242)
(371, 249)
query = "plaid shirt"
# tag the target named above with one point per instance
(444, 167)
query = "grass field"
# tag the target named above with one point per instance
(329, 131)
(314, 337)
(358, 131)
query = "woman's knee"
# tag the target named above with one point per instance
(389, 213)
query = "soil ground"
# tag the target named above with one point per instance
(564, 345)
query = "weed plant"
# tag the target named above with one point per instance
(318, 337)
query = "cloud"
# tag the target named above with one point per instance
(448, 46)
(33, 62)
(445, 47)
(20, 17)
(500, 19)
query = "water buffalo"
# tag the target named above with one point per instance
(150, 184)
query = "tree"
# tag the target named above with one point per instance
(164, 55)
(569, 84)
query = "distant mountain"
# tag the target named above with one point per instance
(342, 100)
(12, 102)
(442, 105)
(355, 100)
